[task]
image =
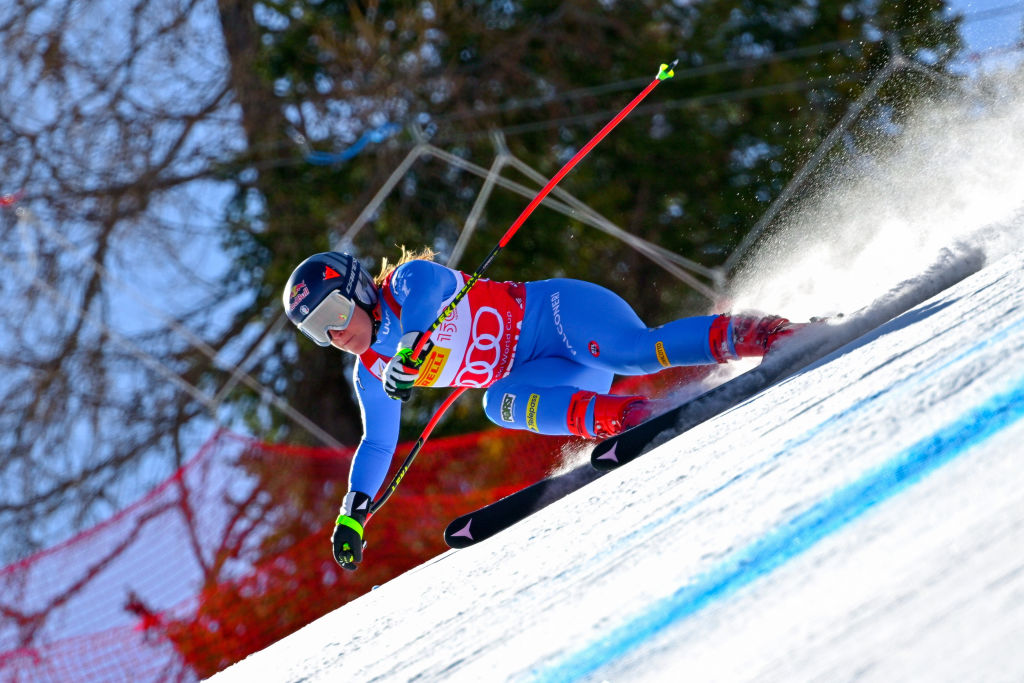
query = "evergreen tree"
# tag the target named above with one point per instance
(759, 85)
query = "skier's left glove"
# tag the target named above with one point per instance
(347, 538)
(401, 372)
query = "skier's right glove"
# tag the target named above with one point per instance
(347, 538)
(400, 373)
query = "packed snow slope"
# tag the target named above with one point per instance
(862, 519)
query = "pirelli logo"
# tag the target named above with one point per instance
(531, 413)
(433, 366)
(659, 349)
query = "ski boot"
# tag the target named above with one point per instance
(612, 414)
(735, 337)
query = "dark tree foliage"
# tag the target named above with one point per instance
(758, 86)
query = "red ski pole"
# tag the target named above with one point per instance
(664, 73)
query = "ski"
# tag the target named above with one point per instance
(483, 523)
(805, 348)
(794, 355)
(789, 358)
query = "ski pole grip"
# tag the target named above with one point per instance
(417, 350)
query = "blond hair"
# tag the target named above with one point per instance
(386, 268)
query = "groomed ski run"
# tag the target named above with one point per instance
(862, 519)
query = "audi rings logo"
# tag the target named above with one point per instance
(484, 354)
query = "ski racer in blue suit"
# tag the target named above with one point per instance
(545, 352)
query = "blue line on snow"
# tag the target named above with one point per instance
(799, 534)
(900, 386)
(905, 384)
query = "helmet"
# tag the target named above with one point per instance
(323, 291)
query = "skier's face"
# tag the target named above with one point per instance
(356, 337)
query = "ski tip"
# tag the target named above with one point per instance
(458, 534)
(604, 459)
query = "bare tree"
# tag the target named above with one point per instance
(114, 118)
(136, 136)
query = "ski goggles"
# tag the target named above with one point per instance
(333, 313)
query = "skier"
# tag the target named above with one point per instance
(544, 351)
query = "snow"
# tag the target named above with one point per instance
(863, 519)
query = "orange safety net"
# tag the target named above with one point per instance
(232, 553)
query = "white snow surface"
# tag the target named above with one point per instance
(693, 562)
(863, 519)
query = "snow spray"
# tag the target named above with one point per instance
(949, 177)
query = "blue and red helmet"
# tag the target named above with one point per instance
(324, 290)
